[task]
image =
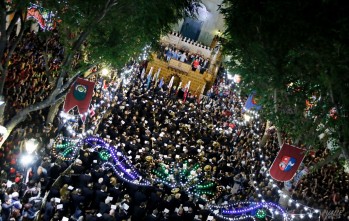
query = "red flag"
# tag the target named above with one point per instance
(186, 91)
(105, 85)
(79, 95)
(286, 163)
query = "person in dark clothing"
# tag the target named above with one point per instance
(153, 216)
(188, 214)
(109, 216)
(101, 195)
(88, 193)
(139, 212)
(49, 210)
(6, 209)
(139, 197)
(77, 198)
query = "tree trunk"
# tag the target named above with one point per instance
(265, 135)
(278, 133)
(18, 118)
(3, 71)
(2, 113)
(345, 151)
(22, 115)
(53, 111)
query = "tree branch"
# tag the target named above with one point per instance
(77, 44)
(328, 159)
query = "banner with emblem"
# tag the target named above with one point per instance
(252, 102)
(79, 95)
(286, 163)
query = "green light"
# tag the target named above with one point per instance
(67, 151)
(104, 155)
(261, 214)
(61, 146)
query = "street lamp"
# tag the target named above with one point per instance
(31, 145)
(28, 158)
(105, 72)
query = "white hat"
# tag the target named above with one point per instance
(15, 195)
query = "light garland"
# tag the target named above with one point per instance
(61, 151)
(311, 211)
(124, 169)
(261, 214)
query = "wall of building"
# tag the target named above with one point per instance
(212, 21)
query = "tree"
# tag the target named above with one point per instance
(110, 30)
(290, 52)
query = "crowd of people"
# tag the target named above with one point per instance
(27, 80)
(154, 128)
(197, 61)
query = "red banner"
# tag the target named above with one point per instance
(80, 95)
(286, 163)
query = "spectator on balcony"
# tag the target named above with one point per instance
(195, 65)
(168, 54)
(204, 64)
(183, 57)
(175, 54)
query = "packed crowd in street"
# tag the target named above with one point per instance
(154, 128)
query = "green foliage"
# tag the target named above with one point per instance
(296, 50)
(124, 31)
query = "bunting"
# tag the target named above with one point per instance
(287, 163)
(161, 82)
(170, 84)
(79, 95)
(252, 102)
(143, 73)
(186, 91)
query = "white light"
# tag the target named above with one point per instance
(302, 216)
(247, 118)
(3, 130)
(297, 204)
(31, 145)
(317, 211)
(27, 159)
(105, 71)
(310, 215)
(237, 78)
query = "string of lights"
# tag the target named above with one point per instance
(124, 169)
